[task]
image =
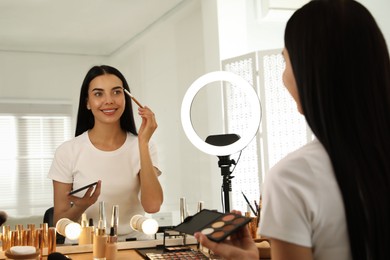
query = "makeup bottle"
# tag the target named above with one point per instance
(92, 227)
(183, 209)
(86, 234)
(111, 246)
(100, 237)
(115, 218)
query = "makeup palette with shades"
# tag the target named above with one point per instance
(215, 225)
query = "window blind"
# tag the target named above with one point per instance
(29, 135)
(282, 128)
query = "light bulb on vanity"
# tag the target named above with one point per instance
(68, 228)
(143, 224)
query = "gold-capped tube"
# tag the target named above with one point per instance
(52, 240)
(5, 240)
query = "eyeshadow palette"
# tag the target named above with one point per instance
(190, 254)
(171, 253)
(215, 225)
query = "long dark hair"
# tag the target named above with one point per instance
(85, 119)
(341, 65)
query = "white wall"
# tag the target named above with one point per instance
(259, 31)
(160, 66)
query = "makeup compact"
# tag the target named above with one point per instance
(215, 225)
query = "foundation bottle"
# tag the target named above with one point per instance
(99, 243)
(86, 234)
(100, 237)
(111, 245)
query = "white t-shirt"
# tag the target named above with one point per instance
(302, 204)
(79, 162)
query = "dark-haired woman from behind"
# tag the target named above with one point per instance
(330, 199)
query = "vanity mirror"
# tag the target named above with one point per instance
(180, 40)
(43, 61)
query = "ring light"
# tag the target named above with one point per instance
(254, 123)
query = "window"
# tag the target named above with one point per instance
(30, 133)
(282, 128)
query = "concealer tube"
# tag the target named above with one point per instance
(5, 239)
(45, 228)
(14, 235)
(111, 245)
(51, 240)
(25, 237)
(38, 240)
(30, 239)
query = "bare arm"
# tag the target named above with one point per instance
(151, 190)
(62, 201)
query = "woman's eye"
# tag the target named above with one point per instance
(117, 92)
(97, 94)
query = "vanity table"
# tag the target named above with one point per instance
(128, 250)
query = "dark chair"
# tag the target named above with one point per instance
(48, 218)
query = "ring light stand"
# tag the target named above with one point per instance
(224, 163)
(226, 144)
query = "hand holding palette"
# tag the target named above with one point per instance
(215, 225)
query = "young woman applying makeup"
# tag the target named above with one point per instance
(330, 199)
(107, 148)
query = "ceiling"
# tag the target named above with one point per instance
(87, 27)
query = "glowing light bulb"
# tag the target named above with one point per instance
(68, 228)
(143, 224)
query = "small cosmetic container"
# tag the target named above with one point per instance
(86, 234)
(111, 245)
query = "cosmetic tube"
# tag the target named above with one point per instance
(30, 240)
(14, 238)
(111, 246)
(38, 240)
(51, 240)
(115, 218)
(102, 215)
(45, 228)
(5, 239)
(86, 234)
(183, 209)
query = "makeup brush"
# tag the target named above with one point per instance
(133, 98)
(249, 204)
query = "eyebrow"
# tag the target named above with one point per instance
(100, 89)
